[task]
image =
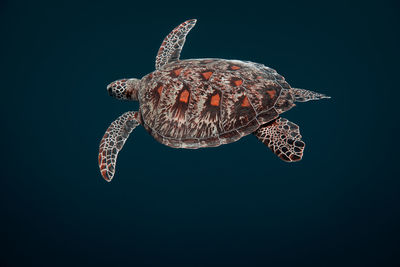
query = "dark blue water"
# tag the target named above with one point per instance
(235, 205)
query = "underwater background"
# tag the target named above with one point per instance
(234, 205)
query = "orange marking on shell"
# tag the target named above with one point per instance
(99, 159)
(178, 71)
(259, 77)
(159, 89)
(238, 82)
(234, 67)
(207, 74)
(245, 102)
(271, 93)
(215, 100)
(184, 97)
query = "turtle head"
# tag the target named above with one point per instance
(124, 89)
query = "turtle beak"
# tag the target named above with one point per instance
(109, 89)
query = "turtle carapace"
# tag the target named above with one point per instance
(206, 102)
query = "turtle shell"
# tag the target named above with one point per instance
(208, 102)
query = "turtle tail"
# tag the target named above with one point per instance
(302, 95)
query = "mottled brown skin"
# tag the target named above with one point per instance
(209, 102)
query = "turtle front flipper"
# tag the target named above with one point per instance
(113, 141)
(283, 138)
(171, 47)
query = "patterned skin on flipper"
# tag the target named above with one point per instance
(302, 95)
(172, 45)
(245, 101)
(113, 141)
(283, 138)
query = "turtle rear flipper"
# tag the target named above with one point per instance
(113, 141)
(303, 95)
(283, 138)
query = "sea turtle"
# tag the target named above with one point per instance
(206, 102)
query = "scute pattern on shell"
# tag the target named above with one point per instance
(208, 102)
